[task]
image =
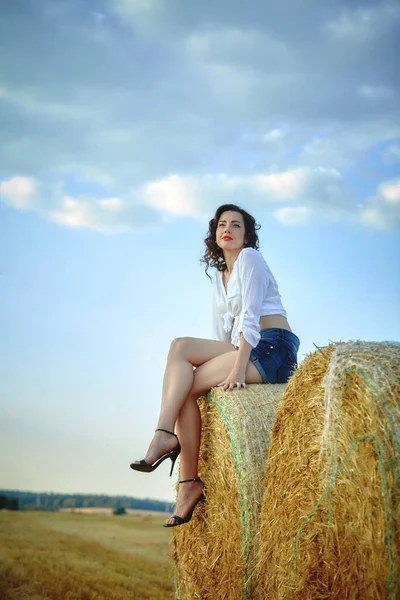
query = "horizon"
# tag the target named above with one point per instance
(38, 493)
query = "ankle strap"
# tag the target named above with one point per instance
(194, 479)
(166, 431)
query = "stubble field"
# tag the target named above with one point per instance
(77, 556)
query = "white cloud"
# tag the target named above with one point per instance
(113, 204)
(355, 25)
(106, 215)
(19, 192)
(236, 46)
(273, 135)
(382, 211)
(173, 195)
(343, 146)
(373, 218)
(321, 188)
(361, 24)
(293, 215)
(183, 196)
(317, 192)
(285, 185)
(136, 11)
(375, 92)
(135, 6)
(313, 193)
(34, 102)
(390, 191)
(72, 213)
(220, 41)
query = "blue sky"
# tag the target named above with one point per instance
(123, 125)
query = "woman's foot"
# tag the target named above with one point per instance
(161, 444)
(188, 495)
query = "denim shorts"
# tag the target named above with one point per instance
(275, 356)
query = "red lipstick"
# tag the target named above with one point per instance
(227, 237)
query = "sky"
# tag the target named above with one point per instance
(124, 124)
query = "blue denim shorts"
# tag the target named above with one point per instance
(275, 356)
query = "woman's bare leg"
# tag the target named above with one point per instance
(188, 428)
(206, 376)
(184, 354)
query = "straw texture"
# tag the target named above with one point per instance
(214, 554)
(330, 513)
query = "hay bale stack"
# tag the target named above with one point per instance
(214, 553)
(329, 523)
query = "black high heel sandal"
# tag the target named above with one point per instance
(144, 467)
(178, 519)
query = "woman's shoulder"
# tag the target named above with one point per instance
(251, 256)
(249, 252)
(251, 260)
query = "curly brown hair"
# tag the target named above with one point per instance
(213, 256)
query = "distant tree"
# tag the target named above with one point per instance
(13, 504)
(119, 510)
(9, 503)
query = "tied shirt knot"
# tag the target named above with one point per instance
(228, 321)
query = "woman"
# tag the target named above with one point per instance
(255, 345)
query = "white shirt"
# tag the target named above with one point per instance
(252, 292)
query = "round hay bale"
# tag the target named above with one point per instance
(329, 519)
(214, 553)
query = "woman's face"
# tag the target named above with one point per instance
(231, 233)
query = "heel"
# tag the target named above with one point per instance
(142, 465)
(174, 457)
(172, 466)
(179, 520)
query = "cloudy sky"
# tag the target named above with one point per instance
(123, 125)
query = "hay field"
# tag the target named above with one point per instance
(75, 556)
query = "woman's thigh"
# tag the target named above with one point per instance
(215, 371)
(197, 350)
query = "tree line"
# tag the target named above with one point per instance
(16, 500)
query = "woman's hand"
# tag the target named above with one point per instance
(236, 378)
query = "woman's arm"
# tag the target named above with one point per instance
(253, 273)
(254, 279)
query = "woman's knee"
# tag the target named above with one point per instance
(178, 347)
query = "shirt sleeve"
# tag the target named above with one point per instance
(218, 331)
(254, 283)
